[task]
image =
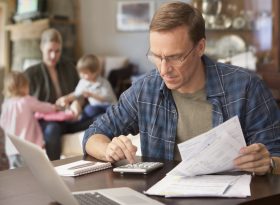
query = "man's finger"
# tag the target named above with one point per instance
(260, 170)
(252, 148)
(248, 158)
(254, 164)
(128, 148)
(115, 149)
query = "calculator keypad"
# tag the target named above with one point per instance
(139, 167)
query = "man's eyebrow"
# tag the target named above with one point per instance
(154, 54)
(174, 55)
(169, 56)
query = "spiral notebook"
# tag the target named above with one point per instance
(81, 167)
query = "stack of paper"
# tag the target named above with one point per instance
(202, 186)
(211, 152)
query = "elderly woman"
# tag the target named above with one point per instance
(49, 80)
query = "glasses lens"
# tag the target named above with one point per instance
(153, 59)
(170, 61)
(174, 61)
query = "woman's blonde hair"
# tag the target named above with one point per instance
(14, 83)
(51, 35)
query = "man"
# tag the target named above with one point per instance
(187, 95)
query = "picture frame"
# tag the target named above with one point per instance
(134, 15)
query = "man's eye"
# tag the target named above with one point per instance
(157, 57)
(173, 58)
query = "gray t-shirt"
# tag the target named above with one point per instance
(194, 116)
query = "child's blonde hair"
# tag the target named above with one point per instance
(14, 83)
(89, 62)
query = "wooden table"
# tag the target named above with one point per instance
(18, 186)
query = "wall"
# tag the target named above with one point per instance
(98, 30)
(63, 8)
(100, 36)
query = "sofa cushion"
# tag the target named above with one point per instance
(72, 144)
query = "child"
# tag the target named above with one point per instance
(92, 86)
(17, 115)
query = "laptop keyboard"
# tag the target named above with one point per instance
(94, 199)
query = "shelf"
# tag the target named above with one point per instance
(260, 33)
(230, 30)
(33, 29)
(23, 38)
(27, 30)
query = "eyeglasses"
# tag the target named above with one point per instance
(173, 60)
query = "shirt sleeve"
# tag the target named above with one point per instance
(120, 119)
(262, 118)
(38, 106)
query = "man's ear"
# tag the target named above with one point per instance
(201, 47)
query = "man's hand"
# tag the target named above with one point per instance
(120, 148)
(254, 158)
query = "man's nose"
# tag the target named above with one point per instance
(164, 67)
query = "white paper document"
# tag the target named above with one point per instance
(211, 152)
(208, 153)
(202, 186)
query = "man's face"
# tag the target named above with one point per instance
(51, 52)
(175, 46)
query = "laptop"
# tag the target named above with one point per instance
(52, 183)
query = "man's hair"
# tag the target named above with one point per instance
(88, 62)
(175, 14)
(51, 35)
(13, 84)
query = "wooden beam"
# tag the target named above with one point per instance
(27, 30)
(78, 47)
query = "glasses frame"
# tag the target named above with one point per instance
(180, 59)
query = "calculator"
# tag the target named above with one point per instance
(139, 167)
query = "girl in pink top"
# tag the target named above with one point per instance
(17, 115)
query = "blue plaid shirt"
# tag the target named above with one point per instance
(148, 108)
